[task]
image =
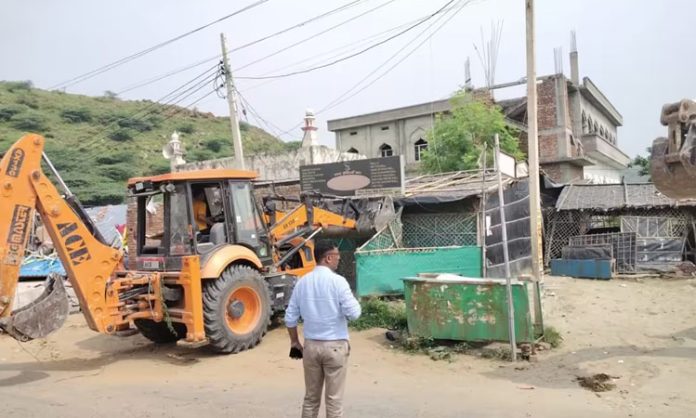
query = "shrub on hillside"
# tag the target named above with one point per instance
(29, 121)
(119, 172)
(13, 86)
(76, 115)
(7, 111)
(28, 100)
(135, 123)
(116, 158)
(215, 145)
(186, 128)
(121, 134)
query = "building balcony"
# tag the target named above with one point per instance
(603, 151)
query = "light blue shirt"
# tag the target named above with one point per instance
(324, 301)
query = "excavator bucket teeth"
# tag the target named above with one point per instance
(41, 317)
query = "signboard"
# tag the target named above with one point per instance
(370, 177)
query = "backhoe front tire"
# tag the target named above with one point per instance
(236, 309)
(159, 332)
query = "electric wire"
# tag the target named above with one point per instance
(375, 45)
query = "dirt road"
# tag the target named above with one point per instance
(644, 333)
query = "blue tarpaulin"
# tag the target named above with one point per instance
(40, 267)
(106, 219)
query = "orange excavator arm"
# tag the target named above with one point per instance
(88, 261)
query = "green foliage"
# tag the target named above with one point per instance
(293, 145)
(136, 123)
(76, 115)
(118, 172)
(642, 163)
(377, 313)
(28, 100)
(186, 128)
(93, 164)
(14, 86)
(116, 157)
(215, 144)
(552, 336)
(29, 121)
(7, 111)
(457, 140)
(121, 134)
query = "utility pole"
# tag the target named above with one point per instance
(232, 101)
(533, 152)
(506, 255)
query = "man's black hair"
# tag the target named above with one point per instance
(321, 248)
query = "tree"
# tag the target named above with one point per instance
(642, 163)
(456, 141)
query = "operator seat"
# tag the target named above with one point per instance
(218, 235)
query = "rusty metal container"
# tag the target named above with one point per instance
(466, 309)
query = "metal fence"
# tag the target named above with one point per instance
(559, 227)
(439, 229)
(623, 245)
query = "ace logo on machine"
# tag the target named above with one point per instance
(17, 237)
(75, 245)
(15, 164)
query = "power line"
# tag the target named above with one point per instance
(173, 101)
(339, 51)
(314, 36)
(264, 38)
(307, 70)
(166, 75)
(117, 63)
(269, 125)
(342, 98)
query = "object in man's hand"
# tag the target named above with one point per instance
(295, 353)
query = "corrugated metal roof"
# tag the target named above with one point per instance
(614, 196)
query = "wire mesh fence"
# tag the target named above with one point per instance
(560, 226)
(439, 230)
(623, 245)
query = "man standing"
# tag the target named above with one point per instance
(324, 301)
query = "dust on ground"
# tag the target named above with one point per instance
(641, 334)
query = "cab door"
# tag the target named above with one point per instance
(246, 220)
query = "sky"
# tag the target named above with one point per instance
(636, 51)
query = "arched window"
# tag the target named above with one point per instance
(385, 150)
(601, 132)
(353, 151)
(420, 146)
(590, 127)
(584, 122)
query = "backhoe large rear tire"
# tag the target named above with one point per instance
(236, 309)
(159, 332)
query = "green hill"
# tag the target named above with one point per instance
(97, 143)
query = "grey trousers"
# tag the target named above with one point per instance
(325, 365)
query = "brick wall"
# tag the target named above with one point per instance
(155, 224)
(546, 107)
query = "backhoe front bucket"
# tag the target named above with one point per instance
(42, 316)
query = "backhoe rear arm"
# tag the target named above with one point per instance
(88, 262)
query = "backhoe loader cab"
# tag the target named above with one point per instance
(197, 213)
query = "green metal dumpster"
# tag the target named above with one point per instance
(466, 309)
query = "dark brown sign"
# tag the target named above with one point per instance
(15, 163)
(370, 177)
(17, 237)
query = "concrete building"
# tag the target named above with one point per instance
(285, 166)
(577, 129)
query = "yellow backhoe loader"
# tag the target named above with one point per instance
(212, 269)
